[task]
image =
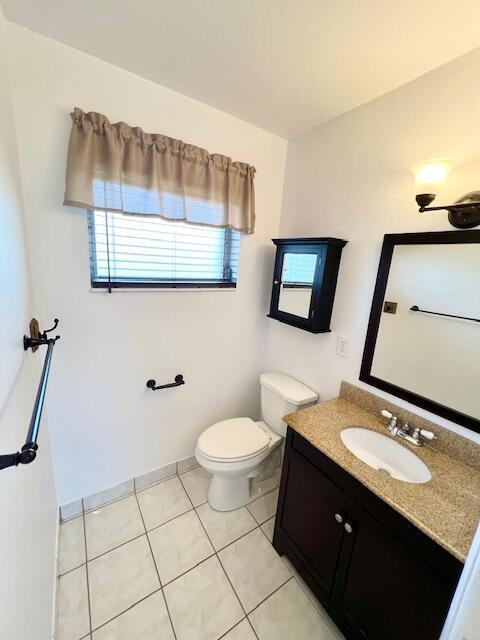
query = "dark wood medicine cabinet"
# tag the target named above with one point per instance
(304, 282)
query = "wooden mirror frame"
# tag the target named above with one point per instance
(390, 241)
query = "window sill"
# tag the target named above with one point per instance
(159, 289)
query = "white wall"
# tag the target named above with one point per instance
(350, 179)
(27, 499)
(106, 426)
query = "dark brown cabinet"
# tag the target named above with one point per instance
(378, 576)
(304, 282)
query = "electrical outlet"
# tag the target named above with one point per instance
(342, 346)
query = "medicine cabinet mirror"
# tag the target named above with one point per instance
(423, 338)
(304, 281)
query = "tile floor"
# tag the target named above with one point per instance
(161, 564)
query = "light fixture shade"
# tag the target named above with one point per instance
(431, 174)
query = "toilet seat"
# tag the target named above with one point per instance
(233, 440)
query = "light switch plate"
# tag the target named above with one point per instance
(342, 346)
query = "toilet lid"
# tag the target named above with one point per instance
(234, 439)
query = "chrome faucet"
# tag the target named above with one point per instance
(417, 437)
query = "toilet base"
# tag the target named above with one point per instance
(226, 494)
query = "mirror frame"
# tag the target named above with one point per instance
(390, 241)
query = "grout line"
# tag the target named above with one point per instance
(86, 572)
(236, 539)
(156, 568)
(60, 575)
(232, 628)
(252, 628)
(169, 616)
(125, 610)
(180, 575)
(118, 546)
(148, 541)
(157, 526)
(216, 554)
(292, 577)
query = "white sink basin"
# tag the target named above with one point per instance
(385, 455)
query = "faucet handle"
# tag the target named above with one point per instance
(428, 435)
(392, 424)
(393, 419)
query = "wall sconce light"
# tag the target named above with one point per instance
(464, 213)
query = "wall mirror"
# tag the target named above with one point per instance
(296, 284)
(304, 281)
(423, 338)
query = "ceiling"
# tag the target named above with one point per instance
(284, 65)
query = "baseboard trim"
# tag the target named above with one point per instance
(138, 483)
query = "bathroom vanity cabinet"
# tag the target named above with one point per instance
(377, 575)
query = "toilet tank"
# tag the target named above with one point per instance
(280, 395)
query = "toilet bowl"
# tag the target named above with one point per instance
(234, 451)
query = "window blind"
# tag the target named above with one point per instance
(140, 251)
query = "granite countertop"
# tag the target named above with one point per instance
(447, 508)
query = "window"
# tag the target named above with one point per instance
(148, 251)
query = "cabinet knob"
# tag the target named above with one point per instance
(348, 527)
(338, 518)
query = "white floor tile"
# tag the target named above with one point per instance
(223, 527)
(265, 507)
(288, 613)
(120, 578)
(71, 545)
(162, 502)
(313, 599)
(196, 483)
(242, 631)
(268, 527)
(147, 620)
(72, 605)
(254, 568)
(179, 545)
(202, 603)
(111, 526)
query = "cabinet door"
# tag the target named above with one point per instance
(308, 519)
(385, 589)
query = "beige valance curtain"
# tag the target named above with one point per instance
(115, 167)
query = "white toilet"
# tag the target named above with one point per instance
(233, 450)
